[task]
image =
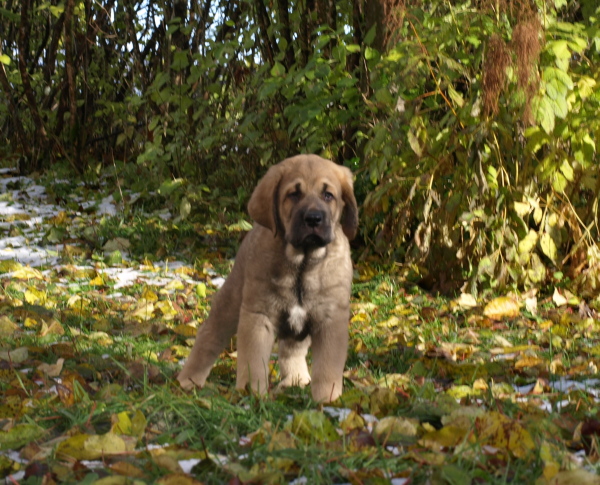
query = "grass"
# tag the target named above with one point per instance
(439, 375)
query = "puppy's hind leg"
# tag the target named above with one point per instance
(214, 335)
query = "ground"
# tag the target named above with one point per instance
(102, 290)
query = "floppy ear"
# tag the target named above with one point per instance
(264, 203)
(349, 219)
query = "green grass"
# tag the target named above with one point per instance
(413, 358)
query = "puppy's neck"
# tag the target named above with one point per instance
(300, 256)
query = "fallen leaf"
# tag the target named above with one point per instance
(382, 401)
(126, 469)
(501, 308)
(7, 327)
(465, 301)
(312, 426)
(574, 477)
(52, 370)
(501, 432)
(528, 361)
(394, 429)
(177, 479)
(27, 273)
(15, 356)
(558, 299)
(19, 435)
(116, 244)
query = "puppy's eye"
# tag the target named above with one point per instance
(328, 196)
(294, 196)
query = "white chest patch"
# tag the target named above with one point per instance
(297, 318)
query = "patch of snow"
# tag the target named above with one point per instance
(187, 465)
(217, 282)
(567, 385)
(93, 464)
(107, 206)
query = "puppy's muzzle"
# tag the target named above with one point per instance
(311, 229)
(314, 218)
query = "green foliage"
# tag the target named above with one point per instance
(473, 129)
(506, 197)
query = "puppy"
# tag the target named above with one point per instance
(291, 280)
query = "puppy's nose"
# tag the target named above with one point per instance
(313, 218)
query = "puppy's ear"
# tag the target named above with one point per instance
(264, 203)
(349, 219)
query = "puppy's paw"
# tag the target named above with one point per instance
(188, 383)
(294, 380)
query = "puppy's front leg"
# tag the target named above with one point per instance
(255, 339)
(292, 362)
(329, 350)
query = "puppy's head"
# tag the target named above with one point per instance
(303, 199)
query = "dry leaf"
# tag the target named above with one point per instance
(501, 308)
(558, 299)
(52, 370)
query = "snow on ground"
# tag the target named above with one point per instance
(24, 204)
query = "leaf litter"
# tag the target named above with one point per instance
(96, 317)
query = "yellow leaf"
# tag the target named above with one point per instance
(201, 290)
(447, 437)
(97, 281)
(312, 426)
(101, 338)
(463, 417)
(393, 321)
(548, 246)
(142, 311)
(528, 361)
(168, 462)
(30, 323)
(527, 244)
(33, 296)
(501, 432)
(573, 477)
(166, 308)
(117, 244)
(352, 421)
(522, 208)
(184, 270)
(8, 265)
(501, 308)
(177, 479)
(382, 401)
(59, 219)
(7, 327)
(395, 429)
(174, 285)
(121, 423)
(551, 467)
(53, 327)
(185, 330)
(149, 295)
(126, 469)
(107, 444)
(73, 447)
(18, 436)
(27, 273)
(393, 381)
